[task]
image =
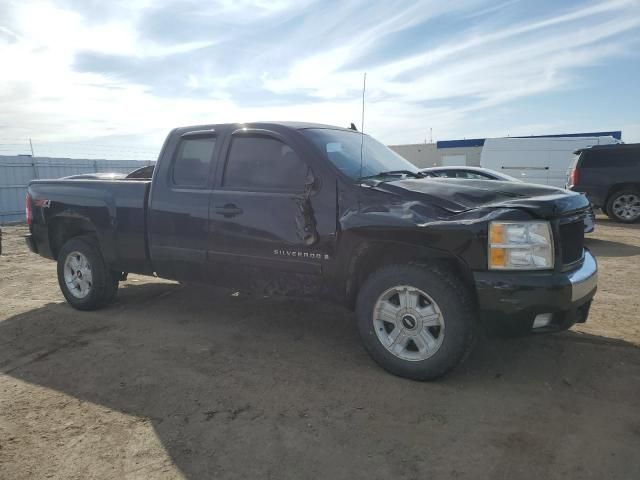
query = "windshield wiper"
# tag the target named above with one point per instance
(395, 172)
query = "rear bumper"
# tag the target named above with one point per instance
(510, 302)
(38, 241)
(597, 196)
(31, 244)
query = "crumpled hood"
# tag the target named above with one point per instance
(460, 195)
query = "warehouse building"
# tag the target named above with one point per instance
(466, 151)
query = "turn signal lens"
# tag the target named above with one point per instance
(496, 233)
(498, 257)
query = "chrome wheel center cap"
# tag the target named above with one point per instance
(409, 322)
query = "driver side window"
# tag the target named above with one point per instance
(260, 163)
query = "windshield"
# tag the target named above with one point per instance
(343, 147)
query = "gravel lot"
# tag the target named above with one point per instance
(185, 382)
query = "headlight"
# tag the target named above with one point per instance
(520, 246)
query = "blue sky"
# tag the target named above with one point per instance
(122, 73)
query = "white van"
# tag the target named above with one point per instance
(543, 160)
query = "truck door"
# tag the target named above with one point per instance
(179, 207)
(273, 219)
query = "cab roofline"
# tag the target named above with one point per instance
(287, 124)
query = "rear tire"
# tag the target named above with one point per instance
(624, 206)
(416, 322)
(84, 278)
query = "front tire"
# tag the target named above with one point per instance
(85, 280)
(416, 322)
(624, 206)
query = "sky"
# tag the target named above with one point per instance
(111, 78)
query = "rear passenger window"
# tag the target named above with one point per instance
(477, 176)
(264, 163)
(624, 158)
(470, 175)
(191, 166)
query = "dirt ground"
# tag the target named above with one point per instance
(186, 382)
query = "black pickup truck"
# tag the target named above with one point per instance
(326, 212)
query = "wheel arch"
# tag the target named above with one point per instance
(621, 186)
(611, 196)
(369, 256)
(62, 228)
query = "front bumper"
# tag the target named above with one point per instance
(510, 301)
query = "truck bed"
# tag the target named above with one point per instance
(117, 209)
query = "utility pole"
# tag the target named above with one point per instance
(33, 160)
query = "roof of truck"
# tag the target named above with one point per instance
(287, 124)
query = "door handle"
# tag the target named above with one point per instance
(229, 210)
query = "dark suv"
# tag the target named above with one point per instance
(610, 177)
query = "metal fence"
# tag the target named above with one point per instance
(17, 171)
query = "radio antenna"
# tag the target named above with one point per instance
(364, 88)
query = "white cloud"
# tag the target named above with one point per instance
(452, 77)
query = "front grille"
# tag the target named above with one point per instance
(571, 241)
